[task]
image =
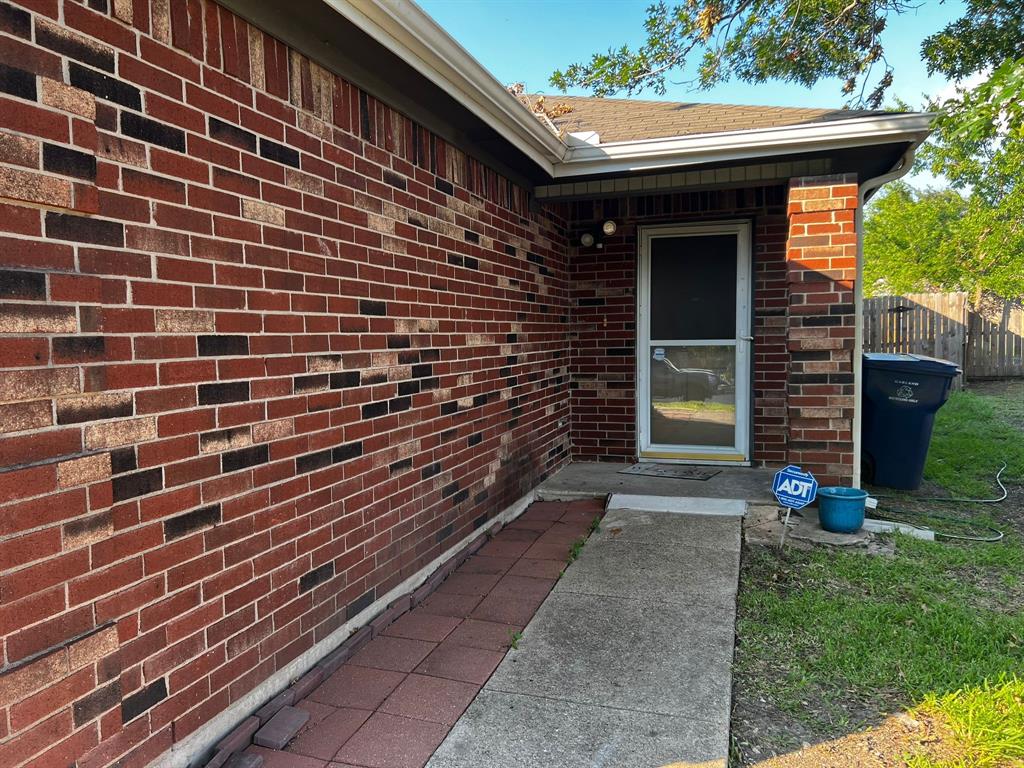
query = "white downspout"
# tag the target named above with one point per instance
(867, 187)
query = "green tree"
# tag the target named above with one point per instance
(905, 233)
(795, 41)
(937, 240)
(978, 145)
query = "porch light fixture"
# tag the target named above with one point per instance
(594, 238)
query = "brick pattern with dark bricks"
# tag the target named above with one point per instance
(252, 322)
(821, 270)
(393, 699)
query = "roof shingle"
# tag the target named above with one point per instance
(635, 119)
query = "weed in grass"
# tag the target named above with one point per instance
(514, 638)
(595, 525)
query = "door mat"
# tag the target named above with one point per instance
(673, 471)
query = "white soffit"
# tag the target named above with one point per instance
(760, 173)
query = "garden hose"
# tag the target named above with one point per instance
(958, 500)
(996, 534)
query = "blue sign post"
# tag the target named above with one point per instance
(794, 489)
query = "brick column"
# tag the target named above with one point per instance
(821, 263)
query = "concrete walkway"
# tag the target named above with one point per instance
(628, 661)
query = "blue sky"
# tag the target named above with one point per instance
(525, 40)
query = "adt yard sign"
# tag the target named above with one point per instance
(794, 488)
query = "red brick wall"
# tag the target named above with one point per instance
(267, 349)
(821, 268)
(603, 292)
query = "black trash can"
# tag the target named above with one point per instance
(901, 395)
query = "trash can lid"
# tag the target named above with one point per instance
(910, 363)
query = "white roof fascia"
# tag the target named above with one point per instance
(406, 30)
(403, 28)
(671, 152)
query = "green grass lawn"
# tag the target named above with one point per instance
(939, 625)
(970, 443)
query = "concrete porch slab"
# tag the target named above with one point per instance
(587, 479)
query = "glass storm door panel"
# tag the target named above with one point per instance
(694, 345)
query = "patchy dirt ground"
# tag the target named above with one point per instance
(868, 733)
(887, 745)
(862, 733)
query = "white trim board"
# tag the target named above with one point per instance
(681, 505)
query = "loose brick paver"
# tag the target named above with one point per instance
(281, 728)
(393, 701)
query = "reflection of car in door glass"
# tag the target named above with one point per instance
(674, 383)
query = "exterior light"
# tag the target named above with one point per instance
(608, 228)
(586, 239)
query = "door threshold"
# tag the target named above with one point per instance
(706, 459)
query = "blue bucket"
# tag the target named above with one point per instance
(841, 510)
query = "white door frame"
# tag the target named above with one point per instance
(738, 454)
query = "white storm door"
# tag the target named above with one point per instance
(694, 344)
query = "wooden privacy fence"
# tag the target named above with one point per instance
(986, 342)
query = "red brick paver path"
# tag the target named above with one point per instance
(393, 702)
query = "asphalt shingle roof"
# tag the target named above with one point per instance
(635, 119)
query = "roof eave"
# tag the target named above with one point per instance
(404, 28)
(729, 146)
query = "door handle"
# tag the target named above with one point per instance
(746, 338)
